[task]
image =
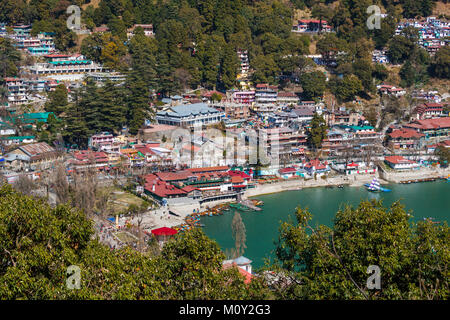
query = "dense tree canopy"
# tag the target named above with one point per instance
(38, 243)
(440, 66)
(9, 58)
(317, 131)
(332, 263)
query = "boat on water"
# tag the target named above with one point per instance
(375, 186)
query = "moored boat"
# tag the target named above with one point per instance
(375, 186)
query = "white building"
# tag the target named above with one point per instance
(188, 115)
(64, 67)
(400, 163)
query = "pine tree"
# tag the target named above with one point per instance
(239, 234)
(228, 67)
(57, 102)
(138, 102)
(317, 132)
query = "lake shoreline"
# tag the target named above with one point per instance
(186, 212)
(421, 200)
(351, 181)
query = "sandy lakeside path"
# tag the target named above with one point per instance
(297, 184)
(425, 173)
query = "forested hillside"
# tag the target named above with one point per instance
(196, 40)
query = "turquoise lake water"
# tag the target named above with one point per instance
(422, 200)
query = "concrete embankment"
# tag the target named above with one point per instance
(424, 173)
(297, 184)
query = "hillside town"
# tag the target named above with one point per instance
(148, 117)
(185, 161)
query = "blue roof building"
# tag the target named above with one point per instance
(188, 115)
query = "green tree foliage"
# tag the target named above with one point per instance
(417, 8)
(191, 268)
(380, 72)
(440, 66)
(401, 47)
(383, 35)
(9, 58)
(138, 102)
(313, 84)
(415, 69)
(94, 110)
(38, 243)
(228, 67)
(363, 69)
(331, 263)
(371, 115)
(443, 155)
(239, 234)
(347, 88)
(57, 100)
(266, 69)
(317, 131)
(330, 44)
(105, 48)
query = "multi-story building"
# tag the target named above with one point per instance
(22, 31)
(237, 111)
(391, 90)
(241, 97)
(244, 64)
(282, 118)
(303, 114)
(265, 99)
(266, 94)
(428, 110)
(288, 98)
(341, 117)
(107, 76)
(64, 67)
(431, 128)
(189, 115)
(400, 163)
(404, 138)
(380, 56)
(431, 96)
(432, 32)
(36, 156)
(16, 91)
(281, 142)
(103, 138)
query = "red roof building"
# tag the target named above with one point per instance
(241, 174)
(315, 166)
(163, 190)
(436, 127)
(405, 138)
(247, 275)
(209, 169)
(399, 162)
(164, 231)
(428, 110)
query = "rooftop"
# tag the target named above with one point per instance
(186, 110)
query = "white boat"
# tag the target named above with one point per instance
(375, 186)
